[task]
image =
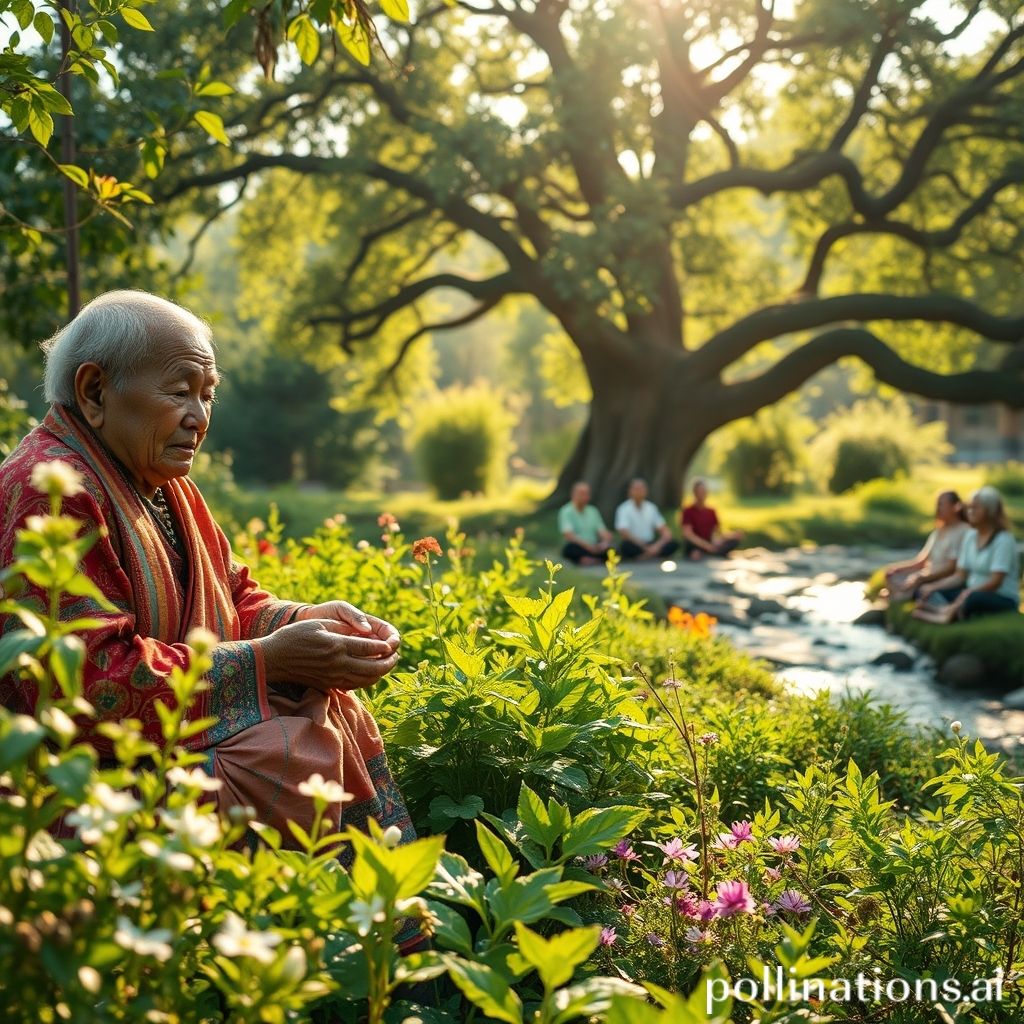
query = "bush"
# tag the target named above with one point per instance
(762, 454)
(887, 498)
(461, 440)
(1008, 479)
(875, 439)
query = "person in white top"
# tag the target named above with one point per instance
(987, 574)
(642, 527)
(937, 559)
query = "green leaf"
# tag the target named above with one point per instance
(213, 126)
(486, 990)
(136, 19)
(594, 830)
(559, 891)
(354, 38)
(153, 153)
(450, 929)
(19, 737)
(71, 776)
(414, 864)
(397, 10)
(43, 24)
(234, 11)
(214, 89)
(66, 661)
(53, 100)
(456, 881)
(557, 610)
(445, 807)
(556, 958)
(14, 645)
(304, 34)
(471, 665)
(496, 853)
(23, 11)
(40, 122)
(525, 899)
(535, 818)
(526, 607)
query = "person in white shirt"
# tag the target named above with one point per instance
(937, 559)
(642, 527)
(987, 575)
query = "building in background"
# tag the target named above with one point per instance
(978, 433)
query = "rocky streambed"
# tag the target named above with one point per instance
(805, 612)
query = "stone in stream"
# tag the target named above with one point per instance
(761, 606)
(962, 671)
(871, 617)
(900, 660)
(1015, 700)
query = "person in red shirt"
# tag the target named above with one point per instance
(702, 534)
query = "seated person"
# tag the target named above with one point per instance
(987, 574)
(937, 559)
(642, 527)
(701, 533)
(587, 539)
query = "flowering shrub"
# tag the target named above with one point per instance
(701, 625)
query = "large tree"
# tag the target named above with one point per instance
(715, 199)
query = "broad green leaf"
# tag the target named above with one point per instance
(15, 644)
(711, 1000)
(556, 958)
(23, 11)
(354, 38)
(471, 665)
(526, 607)
(136, 19)
(456, 881)
(557, 610)
(535, 818)
(525, 899)
(214, 89)
(20, 735)
(592, 998)
(71, 776)
(486, 989)
(43, 24)
(40, 122)
(153, 153)
(54, 101)
(213, 125)
(450, 929)
(565, 890)
(414, 864)
(496, 853)
(397, 10)
(594, 830)
(66, 661)
(445, 807)
(306, 38)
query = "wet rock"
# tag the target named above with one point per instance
(871, 617)
(761, 606)
(962, 671)
(1015, 700)
(900, 660)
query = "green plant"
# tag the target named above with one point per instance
(884, 496)
(1008, 479)
(461, 440)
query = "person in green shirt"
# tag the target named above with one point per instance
(587, 539)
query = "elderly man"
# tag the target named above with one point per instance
(587, 539)
(702, 533)
(642, 527)
(131, 381)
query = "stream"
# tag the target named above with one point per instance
(797, 609)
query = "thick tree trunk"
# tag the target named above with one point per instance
(646, 420)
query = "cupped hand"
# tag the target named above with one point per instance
(352, 621)
(324, 654)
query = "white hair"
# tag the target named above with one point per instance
(990, 500)
(118, 331)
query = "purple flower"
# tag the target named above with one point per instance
(675, 850)
(742, 831)
(595, 861)
(708, 739)
(768, 909)
(624, 851)
(726, 841)
(677, 879)
(785, 844)
(794, 902)
(771, 874)
(672, 684)
(706, 911)
(697, 935)
(734, 898)
(686, 905)
(616, 885)
(655, 940)
(608, 937)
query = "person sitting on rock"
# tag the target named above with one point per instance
(987, 575)
(642, 527)
(587, 539)
(701, 531)
(937, 559)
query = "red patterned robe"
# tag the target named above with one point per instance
(266, 740)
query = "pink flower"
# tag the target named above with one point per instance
(726, 841)
(595, 861)
(608, 937)
(785, 844)
(742, 831)
(672, 684)
(771, 875)
(707, 739)
(624, 851)
(655, 940)
(675, 850)
(628, 909)
(706, 911)
(616, 885)
(677, 879)
(734, 898)
(794, 902)
(768, 909)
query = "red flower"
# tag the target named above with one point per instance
(385, 520)
(265, 547)
(425, 546)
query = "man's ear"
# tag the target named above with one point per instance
(90, 392)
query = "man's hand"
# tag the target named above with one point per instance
(352, 621)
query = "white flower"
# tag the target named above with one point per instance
(392, 836)
(56, 478)
(194, 777)
(89, 978)
(127, 894)
(956, 726)
(202, 641)
(293, 967)
(320, 788)
(176, 859)
(103, 816)
(155, 943)
(192, 827)
(364, 915)
(234, 939)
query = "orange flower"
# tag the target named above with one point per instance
(424, 547)
(386, 520)
(700, 625)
